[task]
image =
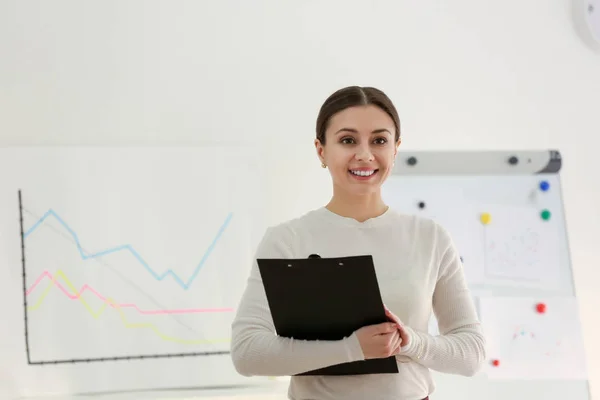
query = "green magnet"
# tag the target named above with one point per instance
(545, 215)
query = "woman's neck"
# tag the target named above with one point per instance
(360, 208)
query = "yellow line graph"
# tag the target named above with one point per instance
(108, 301)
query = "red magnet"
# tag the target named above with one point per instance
(541, 308)
(495, 363)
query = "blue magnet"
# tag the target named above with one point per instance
(544, 185)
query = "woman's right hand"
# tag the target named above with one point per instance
(380, 340)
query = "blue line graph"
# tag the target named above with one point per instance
(129, 248)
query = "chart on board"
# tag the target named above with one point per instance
(534, 338)
(124, 261)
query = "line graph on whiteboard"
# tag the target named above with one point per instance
(41, 297)
(153, 272)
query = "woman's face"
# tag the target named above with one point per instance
(359, 149)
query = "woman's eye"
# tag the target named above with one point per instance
(350, 140)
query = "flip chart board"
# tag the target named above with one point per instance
(505, 213)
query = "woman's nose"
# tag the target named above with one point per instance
(364, 153)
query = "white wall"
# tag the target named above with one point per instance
(463, 74)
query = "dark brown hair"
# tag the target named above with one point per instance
(354, 96)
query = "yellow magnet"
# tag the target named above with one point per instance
(486, 218)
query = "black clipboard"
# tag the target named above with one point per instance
(326, 299)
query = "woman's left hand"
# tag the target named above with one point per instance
(403, 334)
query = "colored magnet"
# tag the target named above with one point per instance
(496, 363)
(545, 215)
(544, 186)
(486, 218)
(540, 307)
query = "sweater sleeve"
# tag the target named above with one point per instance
(461, 346)
(256, 349)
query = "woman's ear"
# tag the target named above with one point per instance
(397, 146)
(320, 151)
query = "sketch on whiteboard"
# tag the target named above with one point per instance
(521, 246)
(526, 343)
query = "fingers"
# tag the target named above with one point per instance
(393, 341)
(398, 345)
(379, 341)
(404, 335)
(386, 327)
(393, 317)
(393, 345)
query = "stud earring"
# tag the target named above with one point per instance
(323, 165)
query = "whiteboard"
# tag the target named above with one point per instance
(505, 214)
(122, 267)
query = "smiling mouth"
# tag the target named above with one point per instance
(363, 174)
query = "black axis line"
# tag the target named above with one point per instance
(85, 360)
(24, 279)
(129, 358)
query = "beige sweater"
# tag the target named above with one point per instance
(419, 272)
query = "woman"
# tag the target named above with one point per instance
(417, 266)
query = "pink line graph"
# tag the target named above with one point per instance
(85, 287)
